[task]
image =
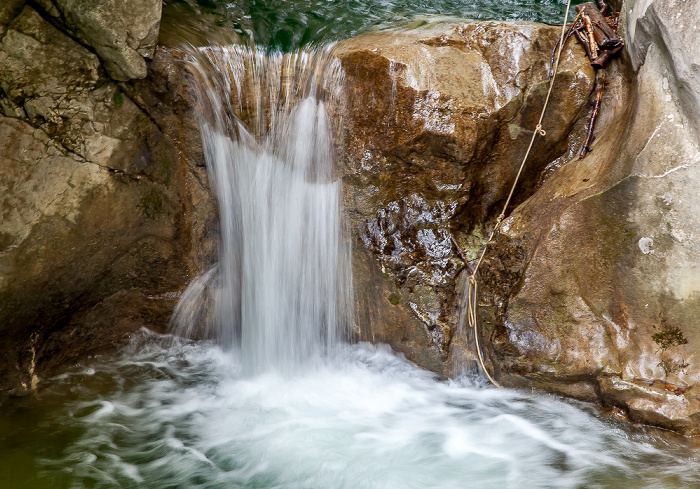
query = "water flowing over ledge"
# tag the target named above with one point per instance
(253, 407)
(281, 293)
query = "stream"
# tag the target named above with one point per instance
(170, 413)
(274, 397)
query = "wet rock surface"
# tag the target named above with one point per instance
(99, 204)
(607, 298)
(590, 290)
(438, 120)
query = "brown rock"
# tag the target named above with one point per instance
(609, 282)
(98, 208)
(437, 122)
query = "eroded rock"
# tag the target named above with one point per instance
(99, 207)
(60, 87)
(437, 122)
(609, 283)
(122, 32)
(591, 288)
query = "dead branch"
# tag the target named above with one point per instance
(464, 258)
(594, 116)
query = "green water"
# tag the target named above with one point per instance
(172, 414)
(289, 24)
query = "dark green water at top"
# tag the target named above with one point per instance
(286, 25)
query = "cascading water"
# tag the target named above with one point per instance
(280, 294)
(255, 408)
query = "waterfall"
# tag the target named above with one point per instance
(280, 293)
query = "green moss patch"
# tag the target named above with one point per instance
(154, 204)
(669, 337)
(6, 240)
(671, 367)
(394, 299)
(166, 170)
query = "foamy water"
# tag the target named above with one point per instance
(275, 399)
(170, 413)
(280, 295)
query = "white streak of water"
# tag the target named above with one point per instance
(282, 291)
(181, 415)
(194, 415)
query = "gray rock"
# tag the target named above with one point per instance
(58, 84)
(8, 11)
(122, 32)
(99, 211)
(668, 29)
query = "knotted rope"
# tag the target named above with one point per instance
(473, 284)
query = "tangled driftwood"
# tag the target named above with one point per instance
(598, 35)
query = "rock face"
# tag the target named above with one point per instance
(438, 120)
(122, 32)
(604, 299)
(57, 84)
(98, 206)
(592, 287)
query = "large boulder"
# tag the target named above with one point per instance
(591, 288)
(100, 209)
(607, 294)
(437, 120)
(122, 32)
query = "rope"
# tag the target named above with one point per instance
(473, 285)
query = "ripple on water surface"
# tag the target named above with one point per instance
(289, 24)
(169, 414)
